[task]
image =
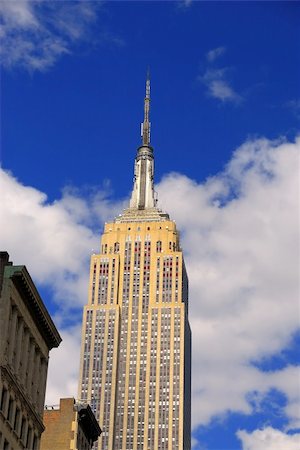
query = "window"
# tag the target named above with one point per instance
(3, 399)
(35, 442)
(17, 420)
(29, 435)
(23, 430)
(10, 410)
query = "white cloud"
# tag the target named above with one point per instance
(35, 34)
(215, 53)
(288, 381)
(239, 230)
(218, 86)
(53, 239)
(240, 235)
(216, 79)
(268, 439)
(63, 367)
(221, 89)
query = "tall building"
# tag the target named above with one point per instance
(27, 336)
(136, 343)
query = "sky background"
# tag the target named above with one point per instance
(225, 111)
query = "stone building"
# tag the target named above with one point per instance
(135, 367)
(27, 336)
(69, 426)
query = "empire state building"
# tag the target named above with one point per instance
(135, 367)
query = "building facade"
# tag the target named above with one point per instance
(135, 365)
(70, 426)
(27, 336)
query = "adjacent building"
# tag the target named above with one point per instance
(70, 426)
(27, 336)
(135, 368)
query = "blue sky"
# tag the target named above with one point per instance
(225, 110)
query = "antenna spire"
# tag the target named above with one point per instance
(143, 188)
(145, 128)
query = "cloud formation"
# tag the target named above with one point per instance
(219, 87)
(55, 239)
(216, 79)
(35, 34)
(215, 53)
(239, 230)
(64, 365)
(269, 439)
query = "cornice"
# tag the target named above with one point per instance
(25, 286)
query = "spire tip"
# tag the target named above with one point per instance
(146, 124)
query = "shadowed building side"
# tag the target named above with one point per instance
(27, 336)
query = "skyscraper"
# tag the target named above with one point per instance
(136, 343)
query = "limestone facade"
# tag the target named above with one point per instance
(27, 335)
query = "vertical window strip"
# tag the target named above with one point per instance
(176, 278)
(94, 282)
(112, 284)
(108, 380)
(86, 354)
(103, 281)
(143, 342)
(152, 380)
(157, 279)
(98, 357)
(134, 340)
(163, 432)
(176, 377)
(167, 279)
(119, 432)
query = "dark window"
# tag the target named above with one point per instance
(3, 398)
(10, 411)
(35, 442)
(17, 419)
(29, 434)
(23, 430)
